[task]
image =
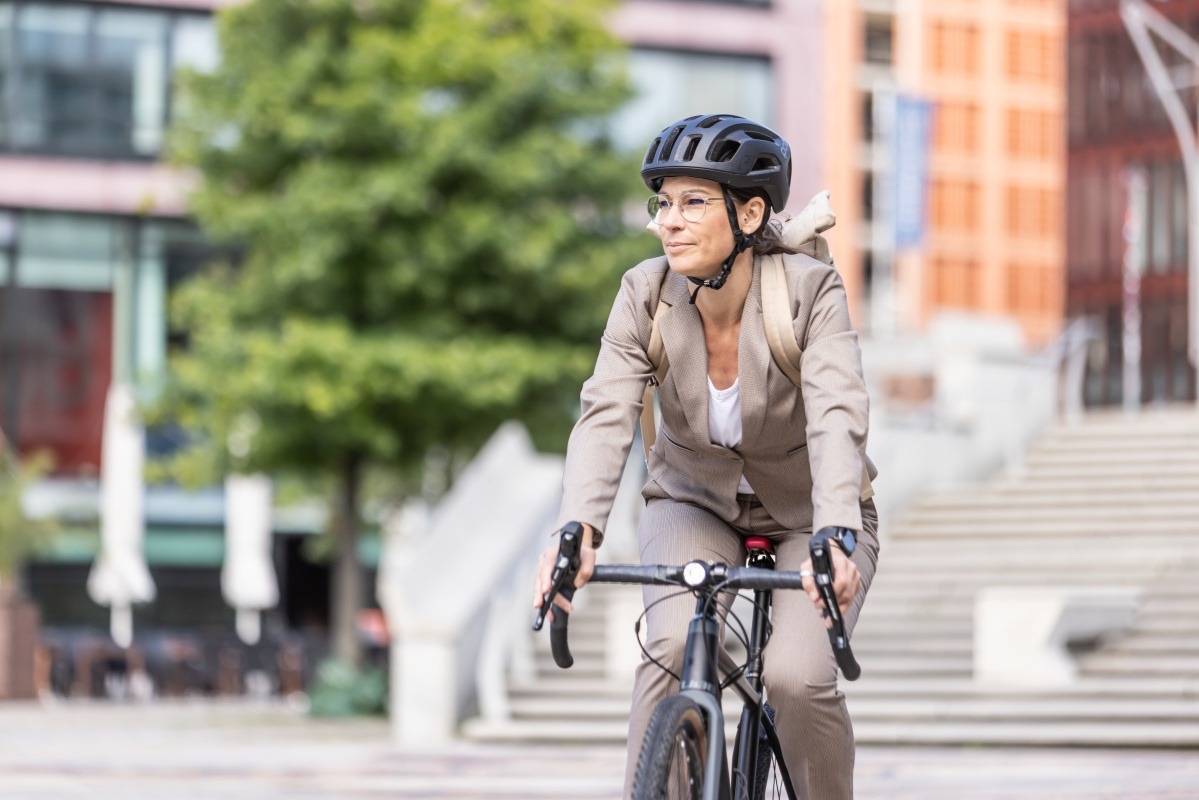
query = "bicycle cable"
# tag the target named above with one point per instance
(637, 630)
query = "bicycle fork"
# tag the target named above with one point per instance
(700, 680)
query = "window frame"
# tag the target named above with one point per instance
(98, 147)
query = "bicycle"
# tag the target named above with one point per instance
(684, 750)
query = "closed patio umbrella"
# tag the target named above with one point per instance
(248, 577)
(119, 577)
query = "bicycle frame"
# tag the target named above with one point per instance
(700, 681)
(700, 678)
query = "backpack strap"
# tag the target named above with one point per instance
(776, 318)
(780, 335)
(658, 360)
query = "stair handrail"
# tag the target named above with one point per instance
(507, 645)
(1069, 351)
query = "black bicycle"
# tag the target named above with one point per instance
(683, 754)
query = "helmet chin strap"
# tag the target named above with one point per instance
(741, 243)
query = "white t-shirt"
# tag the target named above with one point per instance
(724, 421)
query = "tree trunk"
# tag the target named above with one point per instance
(347, 584)
(18, 644)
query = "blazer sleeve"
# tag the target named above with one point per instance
(611, 406)
(835, 401)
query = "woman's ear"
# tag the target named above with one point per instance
(750, 215)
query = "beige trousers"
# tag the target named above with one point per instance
(799, 673)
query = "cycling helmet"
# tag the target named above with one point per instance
(727, 149)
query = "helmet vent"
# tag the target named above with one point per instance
(668, 146)
(764, 163)
(692, 143)
(653, 148)
(723, 150)
(710, 121)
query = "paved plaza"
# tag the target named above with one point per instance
(223, 751)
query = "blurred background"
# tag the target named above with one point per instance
(296, 299)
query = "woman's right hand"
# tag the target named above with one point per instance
(545, 570)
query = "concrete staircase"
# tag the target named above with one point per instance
(1108, 501)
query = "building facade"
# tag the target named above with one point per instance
(994, 238)
(86, 91)
(1127, 205)
(94, 233)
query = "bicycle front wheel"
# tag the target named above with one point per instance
(673, 753)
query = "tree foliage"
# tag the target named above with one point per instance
(20, 536)
(429, 217)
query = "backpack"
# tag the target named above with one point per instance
(802, 232)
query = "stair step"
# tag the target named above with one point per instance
(1085, 531)
(1038, 733)
(1111, 501)
(1032, 734)
(1095, 511)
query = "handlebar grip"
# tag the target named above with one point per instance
(642, 575)
(763, 579)
(846, 661)
(559, 645)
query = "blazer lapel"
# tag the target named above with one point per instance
(753, 362)
(683, 338)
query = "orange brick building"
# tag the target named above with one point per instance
(994, 242)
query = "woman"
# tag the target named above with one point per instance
(742, 450)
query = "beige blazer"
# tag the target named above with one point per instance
(802, 451)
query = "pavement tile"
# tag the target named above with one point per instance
(230, 751)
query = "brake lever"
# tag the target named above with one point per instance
(566, 566)
(822, 565)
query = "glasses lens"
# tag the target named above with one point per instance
(693, 208)
(654, 207)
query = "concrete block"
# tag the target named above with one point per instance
(1022, 635)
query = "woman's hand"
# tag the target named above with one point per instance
(545, 570)
(846, 582)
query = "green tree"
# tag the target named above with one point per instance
(430, 216)
(20, 536)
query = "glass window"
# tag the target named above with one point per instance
(58, 321)
(86, 80)
(59, 335)
(1178, 227)
(193, 44)
(6, 14)
(130, 72)
(168, 253)
(671, 85)
(8, 240)
(54, 104)
(1158, 227)
(878, 41)
(63, 251)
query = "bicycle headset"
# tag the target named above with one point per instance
(728, 150)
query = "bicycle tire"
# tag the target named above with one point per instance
(674, 753)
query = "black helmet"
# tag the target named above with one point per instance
(727, 149)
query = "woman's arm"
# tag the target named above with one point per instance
(611, 405)
(834, 398)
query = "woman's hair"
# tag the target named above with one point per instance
(766, 240)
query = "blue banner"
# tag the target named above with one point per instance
(913, 119)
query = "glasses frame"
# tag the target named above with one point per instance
(687, 209)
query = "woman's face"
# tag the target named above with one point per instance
(697, 249)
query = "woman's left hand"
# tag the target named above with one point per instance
(846, 582)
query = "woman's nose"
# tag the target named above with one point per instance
(671, 216)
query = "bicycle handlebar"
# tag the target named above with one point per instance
(755, 578)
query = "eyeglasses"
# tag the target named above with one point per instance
(691, 206)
